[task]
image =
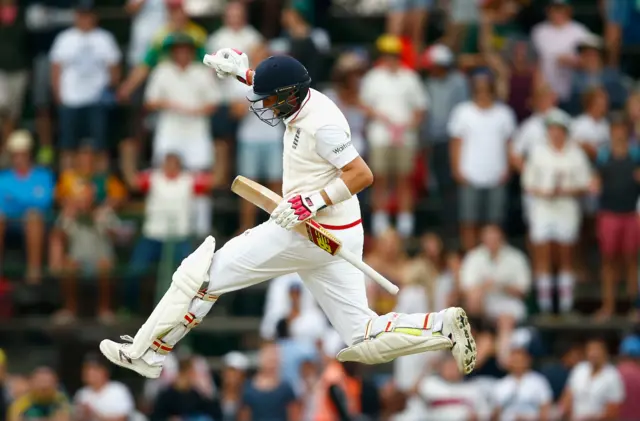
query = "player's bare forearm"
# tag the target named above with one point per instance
(356, 175)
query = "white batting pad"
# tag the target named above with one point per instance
(170, 311)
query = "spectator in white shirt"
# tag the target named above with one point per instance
(185, 94)
(524, 395)
(494, 278)
(398, 102)
(480, 131)
(555, 41)
(595, 390)
(532, 132)
(591, 129)
(259, 151)
(102, 398)
(85, 64)
(556, 174)
(447, 397)
(147, 17)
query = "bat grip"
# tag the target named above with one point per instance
(368, 270)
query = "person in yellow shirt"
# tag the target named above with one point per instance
(44, 401)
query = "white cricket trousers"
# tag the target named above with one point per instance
(268, 251)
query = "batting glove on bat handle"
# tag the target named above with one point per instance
(297, 209)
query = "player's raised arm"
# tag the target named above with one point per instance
(228, 62)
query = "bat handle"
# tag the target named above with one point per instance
(369, 271)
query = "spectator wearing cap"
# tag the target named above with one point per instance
(398, 103)
(591, 72)
(146, 17)
(45, 19)
(234, 376)
(259, 147)
(629, 368)
(101, 398)
(14, 65)
(178, 21)
(85, 65)
(555, 41)
(617, 182)
(480, 131)
(170, 194)
(267, 396)
(555, 175)
(446, 87)
(26, 197)
(495, 278)
(523, 394)
(44, 400)
(183, 398)
(595, 389)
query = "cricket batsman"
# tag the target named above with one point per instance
(322, 175)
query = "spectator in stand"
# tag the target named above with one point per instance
(170, 193)
(557, 372)
(147, 17)
(617, 182)
(296, 351)
(524, 394)
(448, 397)
(178, 22)
(267, 397)
(555, 175)
(183, 399)
(591, 72)
(185, 95)
(233, 379)
(345, 93)
(521, 78)
(101, 398)
(446, 87)
(26, 197)
(495, 278)
(595, 389)
(629, 369)
(632, 108)
(284, 293)
(235, 33)
(45, 19)
(591, 129)
(398, 104)
(555, 41)
(622, 27)
(480, 131)
(302, 41)
(259, 146)
(43, 401)
(409, 17)
(14, 65)
(389, 258)
(85, 65)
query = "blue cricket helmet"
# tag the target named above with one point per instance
(283, 77)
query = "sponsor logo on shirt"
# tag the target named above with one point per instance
(341, 148)
(296, 139)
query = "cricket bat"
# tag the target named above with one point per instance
(268, 200)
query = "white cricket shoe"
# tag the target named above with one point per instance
(117, 354)
(457, 328)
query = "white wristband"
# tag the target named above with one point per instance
(337, 191)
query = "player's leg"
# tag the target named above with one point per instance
(261, 253)
(371, 339)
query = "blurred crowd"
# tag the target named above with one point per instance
(516, 110)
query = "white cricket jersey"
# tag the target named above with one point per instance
(317, 143)
(522, 398)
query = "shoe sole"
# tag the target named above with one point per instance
(132, 367)
(463, 338)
